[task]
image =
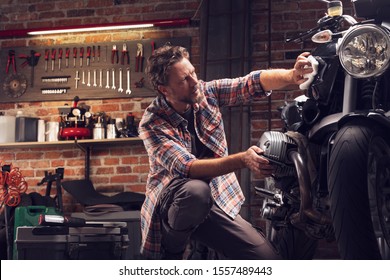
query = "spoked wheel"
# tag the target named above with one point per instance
(359, 184)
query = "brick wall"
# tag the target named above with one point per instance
(124, 168)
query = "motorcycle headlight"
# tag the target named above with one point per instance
(365, 51)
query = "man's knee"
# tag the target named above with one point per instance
(191, 205)
(198, 193)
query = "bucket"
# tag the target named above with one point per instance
(41, 131)
(52, 130)
(7, 128)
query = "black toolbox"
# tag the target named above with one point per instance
(71, 243)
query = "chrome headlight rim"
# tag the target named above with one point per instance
(353, 33)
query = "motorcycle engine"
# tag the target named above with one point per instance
(277, 146)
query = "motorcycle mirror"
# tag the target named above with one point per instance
(323, 36)
(335, 8)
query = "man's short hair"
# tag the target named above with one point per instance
(161, 61)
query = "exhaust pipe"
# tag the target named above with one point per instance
(306, 211)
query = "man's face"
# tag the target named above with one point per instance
(182, 90)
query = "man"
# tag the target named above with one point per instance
(192, 191)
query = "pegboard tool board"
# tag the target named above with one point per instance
(95, 71)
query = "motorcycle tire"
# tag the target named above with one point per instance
(359, 185)
(293, 244)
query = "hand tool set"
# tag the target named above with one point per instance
(93, 71)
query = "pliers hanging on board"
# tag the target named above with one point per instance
(30, 60)
(11, 60)
(139, 59)
(125, 55)
(114, 54)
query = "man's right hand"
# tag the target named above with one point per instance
(253, 160)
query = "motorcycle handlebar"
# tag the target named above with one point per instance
(325, 22)
(302, 36)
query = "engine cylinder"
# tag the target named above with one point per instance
(276, 146)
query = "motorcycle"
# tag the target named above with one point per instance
(332, 160)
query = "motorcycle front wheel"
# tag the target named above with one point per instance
(359, 185)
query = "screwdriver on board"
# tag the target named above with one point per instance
(74, 56)
(47, 52)
(53, 58)
(67, 53)
(59, 59)
(81, 56)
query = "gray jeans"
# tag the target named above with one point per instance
(188, 211)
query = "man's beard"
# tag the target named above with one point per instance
(195, 98)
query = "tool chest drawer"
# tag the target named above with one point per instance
(133, 223)
(59, 243)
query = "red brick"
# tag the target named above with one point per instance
(130, 160)
(123, 179)
(123, 170)
(141, 169)
(111, 161)
(31, 155)
(104, 170)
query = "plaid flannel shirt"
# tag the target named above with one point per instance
(168, 144)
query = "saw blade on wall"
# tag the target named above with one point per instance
(15, 85)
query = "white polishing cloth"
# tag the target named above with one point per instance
(310, 76)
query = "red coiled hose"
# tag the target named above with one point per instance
(12, 185)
